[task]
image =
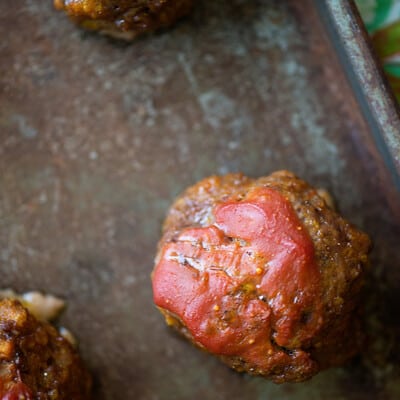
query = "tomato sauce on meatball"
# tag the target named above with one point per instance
(258, 273)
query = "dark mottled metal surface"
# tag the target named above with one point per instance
(366, 77)
(97, 137)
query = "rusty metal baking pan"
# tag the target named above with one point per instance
(97, 137)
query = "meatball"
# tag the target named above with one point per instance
(264, 274)
(36, 362)
(125, 19)
(44, 307)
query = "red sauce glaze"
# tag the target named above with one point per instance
(17, 391)
(247, 285)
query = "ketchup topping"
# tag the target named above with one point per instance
(246, 286)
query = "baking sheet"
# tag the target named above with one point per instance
(97, 137)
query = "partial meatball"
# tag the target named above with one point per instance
(125, 19)
(45, 307)
(36, 362)
(264, 274)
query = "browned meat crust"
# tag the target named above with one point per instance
(36, 362)
(340, 251)
(125, 19)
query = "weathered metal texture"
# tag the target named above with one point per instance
(97, 137)
(368, 81)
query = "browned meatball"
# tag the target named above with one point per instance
(36, 362)
(264, 274)
(125, 19)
